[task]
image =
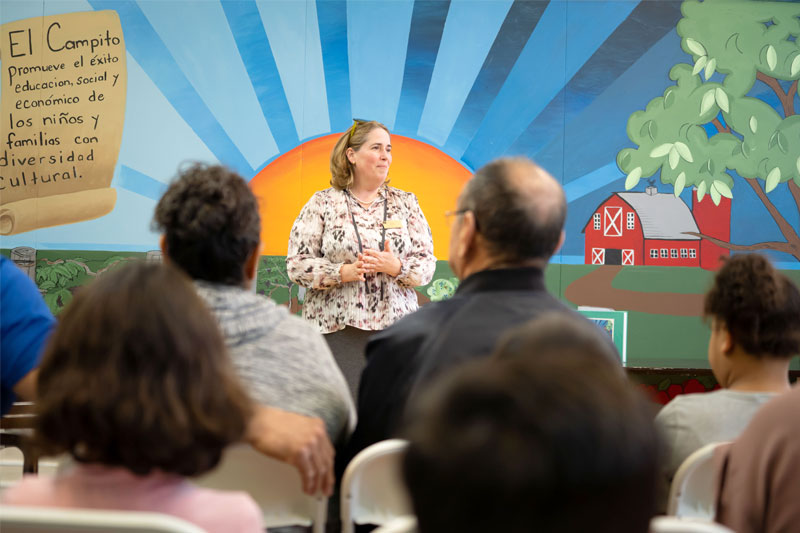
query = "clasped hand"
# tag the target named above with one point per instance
(372, 261)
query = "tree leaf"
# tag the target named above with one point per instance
(737, 149)
(708, 101)
(795, 68)
(47, 285)
(674, 158)
(680, 183)
(723, 188)
(645, 130)
(773, 140)
(715, 196)
(781, 141)
(695, 47)
(653, 128)
(701, 190)
(746, 150)
(711, 66)
(669, 97)
(773, 178)
(735, 37)
(772, 57)
(684, 151)
(699, 64)
(753, 123)
(661, 150)
(633, 178)
(798, 166)
(710, 165)
(722, 99)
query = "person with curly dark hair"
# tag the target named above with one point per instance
(136, 385)
(210, 224)
(755, 332)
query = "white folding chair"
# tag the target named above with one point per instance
(18, 519)
(675, 524)
(401, 524)
(373, 491)
(692, 491)
(274, 485)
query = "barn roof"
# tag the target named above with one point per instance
(663, 215)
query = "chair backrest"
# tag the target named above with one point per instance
(17, 519)
(274, 485)
(373, 491)
(692, 490)
(675, 524)
(401, 524)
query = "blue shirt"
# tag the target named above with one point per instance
(25, 325)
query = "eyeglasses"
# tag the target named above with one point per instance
(455, 212)
(356, 122)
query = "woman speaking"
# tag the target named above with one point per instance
(360, 247)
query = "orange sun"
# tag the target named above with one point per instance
(286, 184)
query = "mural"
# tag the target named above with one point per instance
(671, 125)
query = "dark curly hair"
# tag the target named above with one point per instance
(137, 375)
(759, 306)
(210, 219)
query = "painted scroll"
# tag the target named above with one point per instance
(63, 94)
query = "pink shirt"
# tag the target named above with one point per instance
(101, 487)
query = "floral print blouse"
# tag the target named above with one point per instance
(323, 239)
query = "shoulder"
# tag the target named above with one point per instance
(217, 510)
(32, 490)
(404, 197)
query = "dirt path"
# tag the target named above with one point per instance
(595, 289)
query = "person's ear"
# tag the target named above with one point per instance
(467, 232)
(162, 243)
(726, 340)
(561, 239)
(251, 264)
(350, 154)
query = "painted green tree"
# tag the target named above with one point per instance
(703, 128)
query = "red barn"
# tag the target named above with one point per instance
(642, 228)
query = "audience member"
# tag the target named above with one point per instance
(755, 331)
(211, 229)
(137, 386)
(25, 324)
(546, 436)
(759, 473)
(509, 222)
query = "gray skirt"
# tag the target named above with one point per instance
(348, 347)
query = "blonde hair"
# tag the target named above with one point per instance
(341, 168)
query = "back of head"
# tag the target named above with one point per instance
(557, 441)
(210, 220)
(519, 209)
(758, 305)
(137, 375)
(341, 168)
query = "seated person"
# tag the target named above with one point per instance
(759, 473)
(754, 312)
(210, 224)
(211, 230)
(546, 436)
(25, 325)
(137, 386)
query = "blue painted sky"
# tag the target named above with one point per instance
(242, 82)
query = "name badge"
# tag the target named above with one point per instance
(392, 224)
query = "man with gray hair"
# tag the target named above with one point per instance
(509, 222)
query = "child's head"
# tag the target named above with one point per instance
(137, 375)
(753, 307)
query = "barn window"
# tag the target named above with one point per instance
(630, 220)
(596, 219)
(692, 253)
(653, 253)
(674, 253)
(684, 253)
(664, 253)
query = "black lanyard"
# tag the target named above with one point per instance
(358, 235)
